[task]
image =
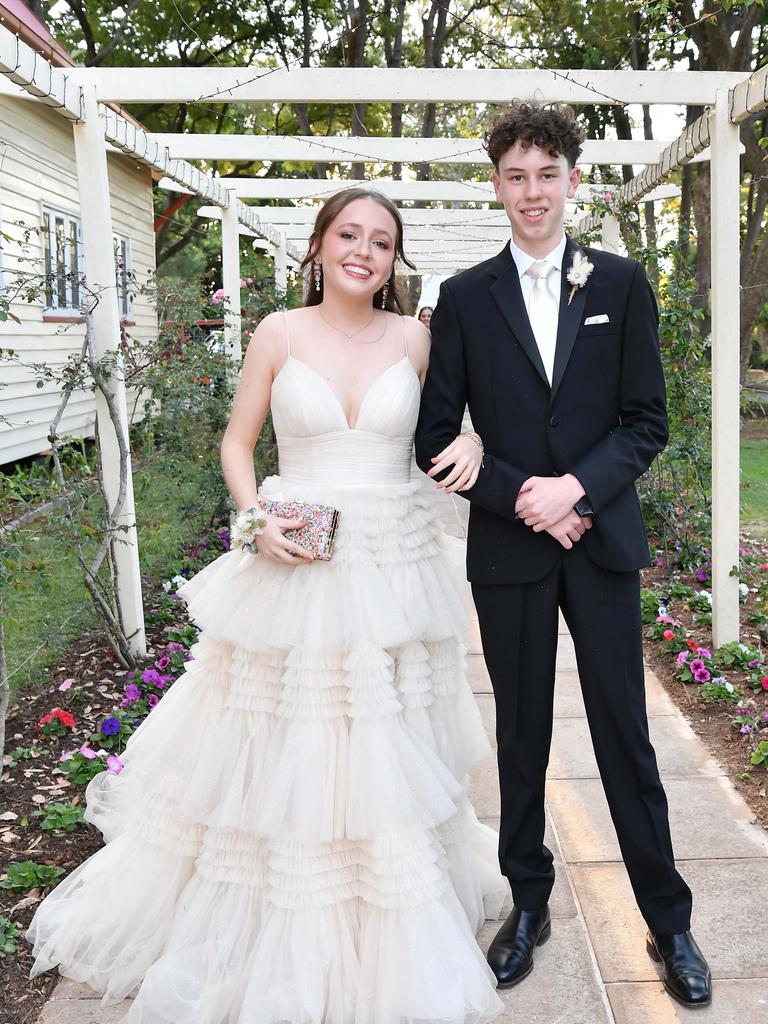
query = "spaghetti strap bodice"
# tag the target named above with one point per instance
(317, 443)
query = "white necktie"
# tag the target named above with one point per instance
(543, 311)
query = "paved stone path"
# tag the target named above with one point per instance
(594, 969)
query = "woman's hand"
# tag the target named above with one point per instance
(273, 543)
(466, 457)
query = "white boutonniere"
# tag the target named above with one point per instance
(578, 272)
(248, 525)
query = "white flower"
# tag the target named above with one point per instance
(247, 527)
(706, 594)
(743, 589)
(578, 272)
(728, 686)
(662, 610)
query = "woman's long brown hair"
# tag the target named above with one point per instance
(328, 212)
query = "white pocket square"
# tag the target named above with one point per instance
(601, 318)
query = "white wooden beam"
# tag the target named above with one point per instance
(347, 149)
(725, 248)
(281, 270)
(407, 85)
(408, 191)
(53, 86)
(307, 215)
(750, 96)
(99, 259)
(230, 272)
(610, 235)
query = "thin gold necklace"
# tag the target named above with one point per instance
(341, 331)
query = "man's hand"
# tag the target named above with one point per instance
(544, 501)
(570, 529)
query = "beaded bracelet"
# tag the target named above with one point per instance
(473, 436)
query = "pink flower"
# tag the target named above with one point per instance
(764, 683)
(608, 197)
(669, 634)
(163, 663)
(702, 676)
(87, 752)
(173, 646)
(66, 684)
(697, 665)
(218, 297)
(114, 764)
(152, 699)
(704, 653)
(682, 658)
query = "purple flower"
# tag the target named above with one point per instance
(665, 600)
(765, 717)
(702, 676)
(152, 678)
(87, 752)
(110, 726)
(746, 729)
(704, 653)
(682, 658)
(132, 693)
(702, 576)
(754, 663)
(742, 711)
(163, 663)
(696, 666)
(173, 646)
(153, 699)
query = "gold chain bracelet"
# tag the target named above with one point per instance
(473, 436)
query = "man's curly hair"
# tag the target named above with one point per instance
(552, 127)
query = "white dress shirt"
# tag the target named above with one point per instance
(546, 319)
(523, 261)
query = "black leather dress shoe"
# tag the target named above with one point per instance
(511, 953)
(686, 974)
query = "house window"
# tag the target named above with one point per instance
(124, 275)
(63, 258)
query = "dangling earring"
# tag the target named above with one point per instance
(384, 294)
(316, 273)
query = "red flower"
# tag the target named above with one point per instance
(45, 719)
(669, 634)
(692, 645)
(764, 682)
(762, 565)
(64, 717)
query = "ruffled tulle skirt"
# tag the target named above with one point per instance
(290, 841)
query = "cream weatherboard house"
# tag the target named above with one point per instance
(40, 226)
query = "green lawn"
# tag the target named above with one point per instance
(50, 606)
(754, 480)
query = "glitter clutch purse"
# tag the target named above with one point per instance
(318, 535)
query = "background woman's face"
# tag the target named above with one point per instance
(426, 315)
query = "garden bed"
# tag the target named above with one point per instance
(731, 718)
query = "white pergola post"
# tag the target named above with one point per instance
(281, 268)
(609, 233)
(230, 267)
(99, 259)
(725, 190)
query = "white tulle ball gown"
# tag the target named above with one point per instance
(290, 841)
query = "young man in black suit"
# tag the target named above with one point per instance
(555, 349)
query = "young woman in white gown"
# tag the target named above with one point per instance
(290, 841)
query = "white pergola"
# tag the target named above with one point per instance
(439, 239)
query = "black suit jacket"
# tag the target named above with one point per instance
(604, 418)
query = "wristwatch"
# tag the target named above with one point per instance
(583, 507)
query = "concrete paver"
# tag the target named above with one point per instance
(733, 1002)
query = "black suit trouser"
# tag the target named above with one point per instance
(519, 626)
